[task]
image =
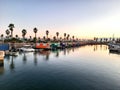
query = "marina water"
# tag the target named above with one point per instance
(82, 68)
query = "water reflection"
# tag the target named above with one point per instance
(114, 52)
(88, 66)
(1, 67)
(64, 51)
(10, 60)
(101, 47)
(57, 53)
(12, 65)
(35, 58)
(73, 49)
(68, 51)
(95, 47)
(45, 53)
(24, 58)
(104, 48)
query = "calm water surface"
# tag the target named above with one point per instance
(83, 68)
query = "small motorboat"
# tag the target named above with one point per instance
(26, 48)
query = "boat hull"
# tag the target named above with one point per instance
(45, 46)
(114, 47)
(2, 54)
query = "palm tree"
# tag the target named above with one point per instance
(35, 31)
(39, 39)
(54, 38)
(113, 39)
(94, 38)
(57, 34)
(2, 36)
(106, 39)
(24, 33)
(68, 37)
(60, 38)
(47, 32)
(30, 38)
(76, 39)
(16, 36)
(7, 32)
(11, 26)
(44, 38)
(64, 36)
(73, 37)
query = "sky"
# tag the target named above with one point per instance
(81, 18)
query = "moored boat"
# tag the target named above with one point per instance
(2, 54)
(55, 46)
(114, 47)
(45, 46)
(26, 48)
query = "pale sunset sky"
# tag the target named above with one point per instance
(82, 18)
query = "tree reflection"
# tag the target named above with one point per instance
(68, 51)
(12, 65)
(73, 49)
(35, 58)
(57, 54)
(105, 47)
(47, 57)
(7, 57)
(24, 58)
(95, 47)
(100, 47)
(64, 51)
(45, 53)
(20, 53)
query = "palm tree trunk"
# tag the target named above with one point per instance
(35, 40)
(35, 37)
